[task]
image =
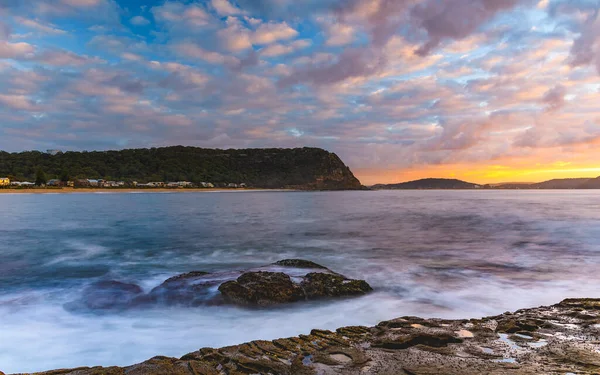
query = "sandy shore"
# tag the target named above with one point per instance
(117, 190)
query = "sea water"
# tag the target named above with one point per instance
(451, 254)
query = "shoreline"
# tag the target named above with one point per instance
(132, 190)
(555, 339)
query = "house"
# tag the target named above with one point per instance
(232, 185)
(81, 183)
(93, 183)
(4, 181)
(54, 182)
(15, 183)
(184, 184)
(27, 184)
(243, 185)
(172, 185)
(70, 183)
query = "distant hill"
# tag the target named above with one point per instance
(299, 168)
(560, 183)
(592, 183)
(565, 183)
(428, 183)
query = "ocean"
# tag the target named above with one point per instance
(449, 254)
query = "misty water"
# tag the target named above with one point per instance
(454, 254)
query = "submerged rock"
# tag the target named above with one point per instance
(108, 295)
(262, 289)
(299, 263)
(188, 289)
(561, 343)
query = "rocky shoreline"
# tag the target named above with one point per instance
(559, 339)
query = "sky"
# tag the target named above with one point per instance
(482, 90)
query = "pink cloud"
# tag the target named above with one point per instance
(15, 50)
(19, 102)
(225, 8)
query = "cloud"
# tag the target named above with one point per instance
(284, 49)
(82, 3)
(192, 50)
(58, 57)
(586, 48)
(354, 62)
(224, 8)
(454, 19)
(15, 50)
(5, 31)
(235, 37)
(555, 98)
(339, 34)
(178, 15)
(35, 24)
(139, 21)
(18, 102)
(271, 32)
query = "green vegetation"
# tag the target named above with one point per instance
(40, 177)
(309, 168)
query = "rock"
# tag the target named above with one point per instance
(261, 289)
(299, 263)
(319, 285)
(261, 286)
(407, 341)
(188, 289)
(108, 295)
(270, 288)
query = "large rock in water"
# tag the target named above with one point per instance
(319, 285)
(270, 288)
(286, 281)
(262, 289)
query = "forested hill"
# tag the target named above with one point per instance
(301, 168)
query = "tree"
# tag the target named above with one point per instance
(64, 176)
(40, 177)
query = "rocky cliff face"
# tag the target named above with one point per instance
(559, 339)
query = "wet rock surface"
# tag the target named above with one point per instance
(320, 285)
(286, 281)
(262, 289)
(554, 340)
(107, 295)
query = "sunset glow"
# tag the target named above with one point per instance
(486, 90)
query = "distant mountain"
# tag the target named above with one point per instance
(565, 183)
(559, 183)
(592, 183)
(428, 183)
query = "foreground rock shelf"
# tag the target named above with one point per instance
(559, 339)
